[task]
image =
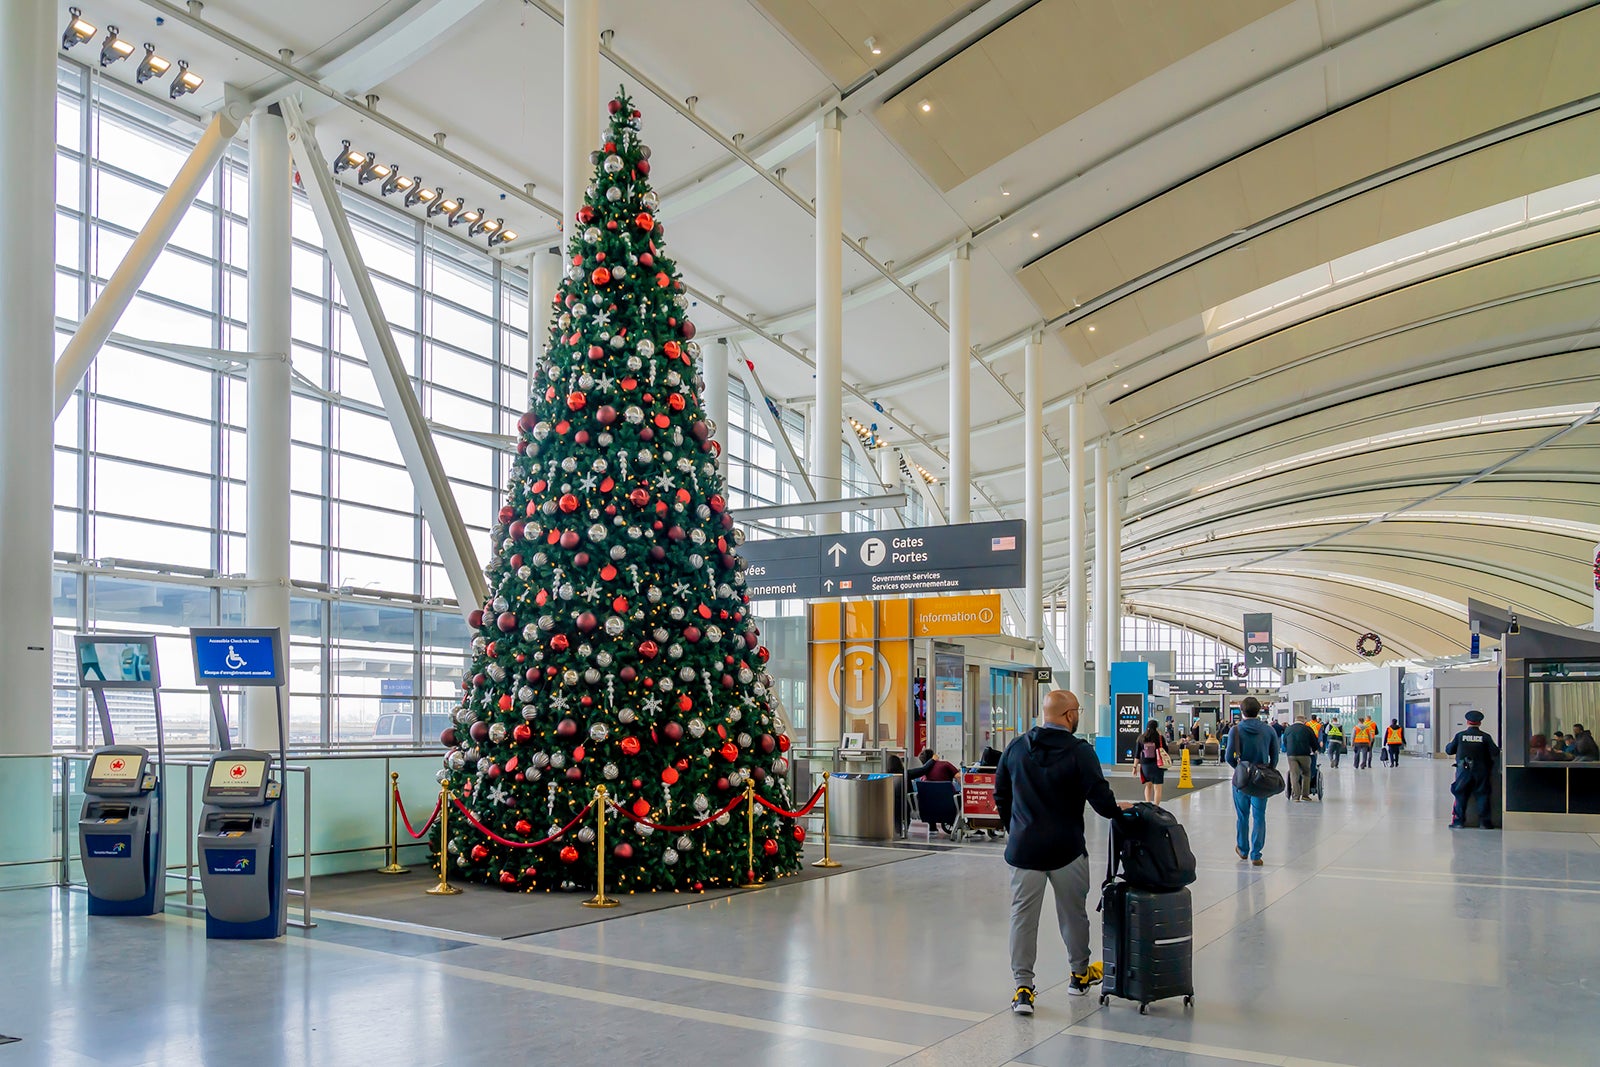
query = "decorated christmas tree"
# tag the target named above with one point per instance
(617, 648)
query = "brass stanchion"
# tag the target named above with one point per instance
(827, 860)
(750, 879)
(600, 900)
(393, 866)
(444, 888)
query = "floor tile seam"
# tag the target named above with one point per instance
(1464, 874)
(688, 973)
(1193, 1048)
(623, 1000)
(1464, 885)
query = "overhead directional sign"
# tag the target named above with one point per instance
(929, 559)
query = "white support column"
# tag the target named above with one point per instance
(888, 463)
(544, 279)
(27, 352)
(826, 445)
(1033, 483)
(1119, 497)
(1102, 590)
(411, 433)
(1077, 595)
(142, 254)
(960, 483)
(715, 372)
(267, 422)
(580, 57)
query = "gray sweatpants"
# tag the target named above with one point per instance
(1071, 887)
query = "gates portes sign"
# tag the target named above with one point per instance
(929, 559)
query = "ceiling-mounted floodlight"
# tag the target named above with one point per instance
(417, 193)
(480, 225)
(501, 235)
(77, 31)
(874, 47)
(186, 82)
(373, 171)
(448, 206)
(151, 66)
(437, 201)
(114, 48)
(469, 217)
(346, 158)
(396, 182)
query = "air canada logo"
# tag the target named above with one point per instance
(237, 772)
(118, 764)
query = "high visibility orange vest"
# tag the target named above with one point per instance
(1365, 732)
(1316, 728)
(1394, 736)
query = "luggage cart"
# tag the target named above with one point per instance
(978, 809)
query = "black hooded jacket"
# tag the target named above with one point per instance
(1045, 778)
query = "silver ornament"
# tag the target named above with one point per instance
(697, 728)
(592, 676)
(669, 857)
(613, 165)
(586, 835)
(615, 625)
(626, 716)
(685, 843)
(744, 740)
(599, 731)
(613, 194)
(497, 733)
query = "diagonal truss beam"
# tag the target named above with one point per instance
(394, 387)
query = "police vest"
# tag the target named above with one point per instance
(1394, 736)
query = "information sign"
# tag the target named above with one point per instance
(929, 559)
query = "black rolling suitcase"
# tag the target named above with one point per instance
(1147, 940)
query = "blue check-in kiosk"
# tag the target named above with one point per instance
(119, 825)
(240, 839)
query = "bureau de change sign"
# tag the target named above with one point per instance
(929, 559)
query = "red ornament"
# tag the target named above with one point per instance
(569, 539)
(527, 421)
(691, 634)
(644, 221)
(662, 421)
(613, 106)
(620, 605)
(559, 643)
(587, 622)
(676, 402)
(770, 847)
(608, 573)
(639, 498)
(600, 276)
(506, 514)
(605, 415)
(704, 610)
(668, 775)
(687, 329)
(538, 487)
(630, 746)
(570, 854)
(596, 353)
(662, 281)
(648, 649)
(641, 807)
(647, 260)
(623, 851)
(507, 878)
(563, 426)
(783, 742)
(577, 754)
(717, 504)
(524, 826)
(730, 751)
(505, 705)
(768, 743)
(581, 559)
(799, 832)
(479, 853)
(585, 214)
(575, 400)
(643, 166)
(475, 618)
(673, 730)
(685, 704)
(522, 732)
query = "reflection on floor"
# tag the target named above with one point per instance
(1373, 936)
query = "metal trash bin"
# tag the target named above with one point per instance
(861, 806)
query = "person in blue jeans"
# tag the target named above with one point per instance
(1252, 741)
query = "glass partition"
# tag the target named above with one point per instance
(1563, 704)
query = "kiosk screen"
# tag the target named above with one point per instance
(115, 768)
(115, 663)
(236, 777)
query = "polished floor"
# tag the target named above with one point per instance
(1374, 935)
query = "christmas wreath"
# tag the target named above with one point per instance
(1369, 645)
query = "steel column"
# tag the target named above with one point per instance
(959, 486)
(1077, 596)
(1102, 589)
(268, 380)
(580, 130)
(1033, 484)
(715, 370)
(826, 455)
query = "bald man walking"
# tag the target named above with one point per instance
(1043, 782)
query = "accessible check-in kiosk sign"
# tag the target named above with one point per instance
(240, 839)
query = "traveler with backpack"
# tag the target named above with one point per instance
(1040, 788)
(1152, 762)
(1252, 743)
(1394, 739)
(1300, 745)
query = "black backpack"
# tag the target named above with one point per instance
(1152, 848)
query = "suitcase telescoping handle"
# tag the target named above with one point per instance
(1111, 866)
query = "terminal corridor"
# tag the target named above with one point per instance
(1373, 936)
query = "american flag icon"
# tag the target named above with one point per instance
(1002, 544)
(1257, 637)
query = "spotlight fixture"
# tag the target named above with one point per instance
(371, 170)
(346, 158)
(471, 218)
(1515, 627)
(417, 193)
(443, 205)
(485, 225)
(925, 106)
(501, 236)
(77, 31)
(398, 183)
(186, 82)
(151, 66)
(872, 46)
(1004, 191)
(114, 48)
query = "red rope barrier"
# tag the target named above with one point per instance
(802, 813)
(519, 844)
(416, 835)
(707, 821)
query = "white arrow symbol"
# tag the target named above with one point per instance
(837, 551)
(828, 585)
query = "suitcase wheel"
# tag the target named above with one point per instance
(1188, 1001)
(1144, 1009)
(1104, 1000)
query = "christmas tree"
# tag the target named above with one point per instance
(617, 648)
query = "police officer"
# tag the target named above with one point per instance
(1476, 756)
